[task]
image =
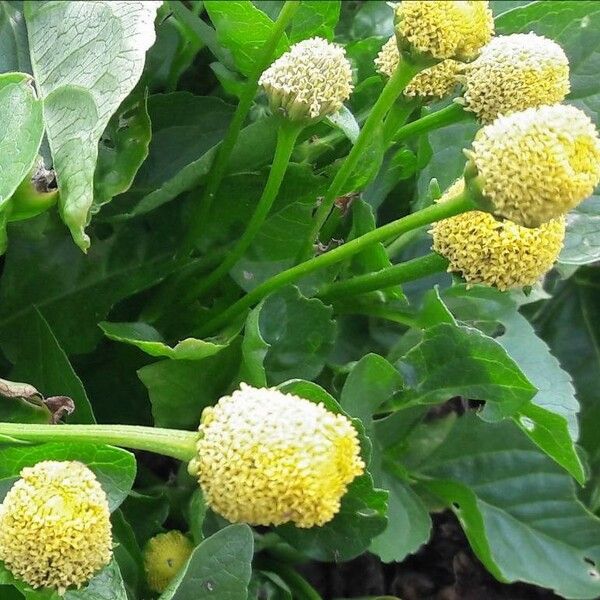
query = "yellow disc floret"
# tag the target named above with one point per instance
(432, 83)
(536, 165)
(310, 81)
(164, 556)
(268, 458)
(493, 252)
(444, 28)
(55, 526)
(515, 72)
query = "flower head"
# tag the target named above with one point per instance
(310, 81)
(444, 28)
(55, 526)
(268, 458)
(432, 83)
(536, 165)
(164, 556)
(496, 253)
(515, 72)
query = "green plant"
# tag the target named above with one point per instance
(194, 200)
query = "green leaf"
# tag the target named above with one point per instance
(43, 363)
(86, 58)
(180, 389)
(510, 496)
(315, 18)
(122, 149)
(345, 121)
(243, 29)
(220, 567)
(297, 331)
(150, 341)
(107, 585)
(582, 238)
(362, 514)
(461, 361)
(114, 468)
(14, 49)
(22, 131)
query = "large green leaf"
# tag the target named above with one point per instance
(220, 567)
(43, 363)
(86, 58)
(315, 17)
(518, 509)
(14, 50)
(243, 29)
(582, 238)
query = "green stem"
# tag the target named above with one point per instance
(379, 280)
(286, 139)
(219, 167)
(396, 246)
(380, 312)
(453, 113)
(459, 204)
(394, 87)
(397, 116)
(169, 442)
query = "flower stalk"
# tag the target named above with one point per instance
(453, 113)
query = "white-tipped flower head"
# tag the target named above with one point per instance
(164, 556)
(310, 81)
(515, 72)
(536, 165)
(432, 83)
(497, 253)
(444, 28)
(55, 526)
(268, 458)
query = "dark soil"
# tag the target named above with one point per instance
(443, 569)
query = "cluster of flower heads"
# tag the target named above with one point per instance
(493, 252)
(55, 527)
(267, 458)
(164, 556)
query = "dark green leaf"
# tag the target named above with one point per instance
(315, 18)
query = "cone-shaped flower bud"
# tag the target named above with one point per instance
(536, 165)
(432, 83)
(496, 253)
(310, 81)
(164, 556)
(515, 72)
(55, 526)
(267, 458)
(444, 28)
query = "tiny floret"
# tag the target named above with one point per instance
(497, 253)
(444, 28)
(515, 72)
(55, 526)
(164, 556)
(433, 83)
(310, 81)
(536, 165)
(268, 458)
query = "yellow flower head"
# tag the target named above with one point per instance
(444, 28)
(497, 253)
(310, 81)
(55, 526)
(432, 83)
(268, 458)
(537, 164)
(164, 556)
(515, 72)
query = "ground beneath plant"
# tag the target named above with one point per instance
(443, 569)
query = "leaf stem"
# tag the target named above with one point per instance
(219, 167)
(169, 442)
(385, 278)
(286, 139)
(394, 87)
(453, 113)
(459, 204)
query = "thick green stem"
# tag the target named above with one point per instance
(394, 87)
(401, 273)
(219, 168)
(436, 212)
(446, 116)
(169, 442)
(286, 139)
